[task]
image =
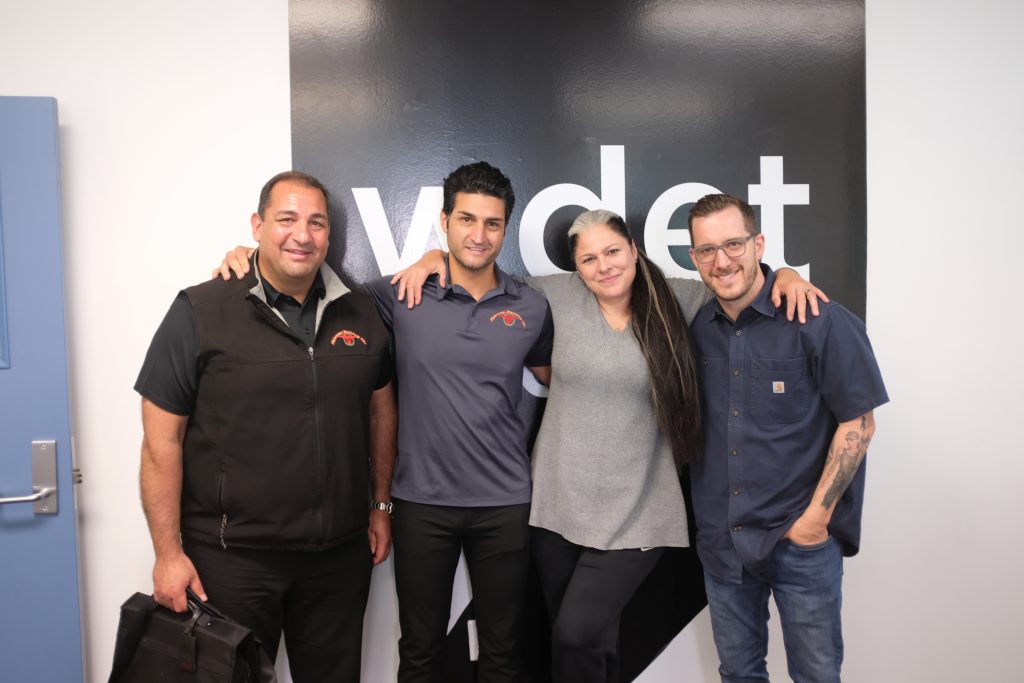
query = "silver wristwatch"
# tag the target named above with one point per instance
(386, 507)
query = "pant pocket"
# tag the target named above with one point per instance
(811, 548)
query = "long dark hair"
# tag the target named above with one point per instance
(659, 326)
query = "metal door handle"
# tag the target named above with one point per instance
(44, 480)
(38, 495)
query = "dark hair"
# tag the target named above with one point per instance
(293, 177)
(478, 178)
(713, 203)
(661, 330)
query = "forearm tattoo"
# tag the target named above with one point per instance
(844, 457)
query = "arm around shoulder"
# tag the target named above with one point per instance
(691, 295)
(410, 280)
(545, 284)
(382, 293)
(800, 294)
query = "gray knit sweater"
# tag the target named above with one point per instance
(603, 474)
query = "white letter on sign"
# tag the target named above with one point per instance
(424, 217)
(658, 237)
(550, 199)
(772, 195)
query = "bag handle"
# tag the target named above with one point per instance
(196, 604)
(187, 639)
(259, 660)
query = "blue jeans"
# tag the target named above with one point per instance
(807, 584)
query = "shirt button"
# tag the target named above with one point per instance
(736, 373)
(735, 492)
(737, 528)
(732, 452)
(739, 333)
(735, 413)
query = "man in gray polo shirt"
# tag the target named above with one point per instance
(462, 478)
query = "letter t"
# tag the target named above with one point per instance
(772, 195)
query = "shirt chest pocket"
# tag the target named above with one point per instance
(779, 390)
(714, 387)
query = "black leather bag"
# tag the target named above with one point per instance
(202, 645)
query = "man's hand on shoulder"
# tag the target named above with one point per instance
(800, 295)
(171, 575)
(410, 280)
(235, 262)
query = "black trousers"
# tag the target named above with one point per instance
(427, 541)
(316, 598)
(585, 591)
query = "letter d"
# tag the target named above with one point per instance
(547, 201)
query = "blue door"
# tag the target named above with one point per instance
(40, 623)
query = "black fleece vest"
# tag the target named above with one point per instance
(276, 454)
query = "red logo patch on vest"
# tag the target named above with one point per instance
(509, 318)
(347, 336)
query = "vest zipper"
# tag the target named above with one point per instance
(223, 527)
(319, 452)
(223, 508)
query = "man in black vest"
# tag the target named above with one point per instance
(269, 423)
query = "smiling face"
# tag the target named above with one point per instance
(606, 261)
(293, 236)
(736, 282)
(475, 229)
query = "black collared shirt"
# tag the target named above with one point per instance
(301, 318)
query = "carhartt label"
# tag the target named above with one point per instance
(778, 387)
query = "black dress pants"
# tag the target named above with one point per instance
(316, 598)
(427, 541)
(585, 591)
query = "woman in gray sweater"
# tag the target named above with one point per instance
(622, 417)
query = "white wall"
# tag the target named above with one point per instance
(173, 114)
(937, 594)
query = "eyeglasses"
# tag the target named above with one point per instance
(732, 248)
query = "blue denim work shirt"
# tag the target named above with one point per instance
(772, 394)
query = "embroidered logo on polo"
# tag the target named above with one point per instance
(510, 318)
(347, 336)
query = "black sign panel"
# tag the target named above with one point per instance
(638, 106)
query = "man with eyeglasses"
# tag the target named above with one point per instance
(778, 488)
